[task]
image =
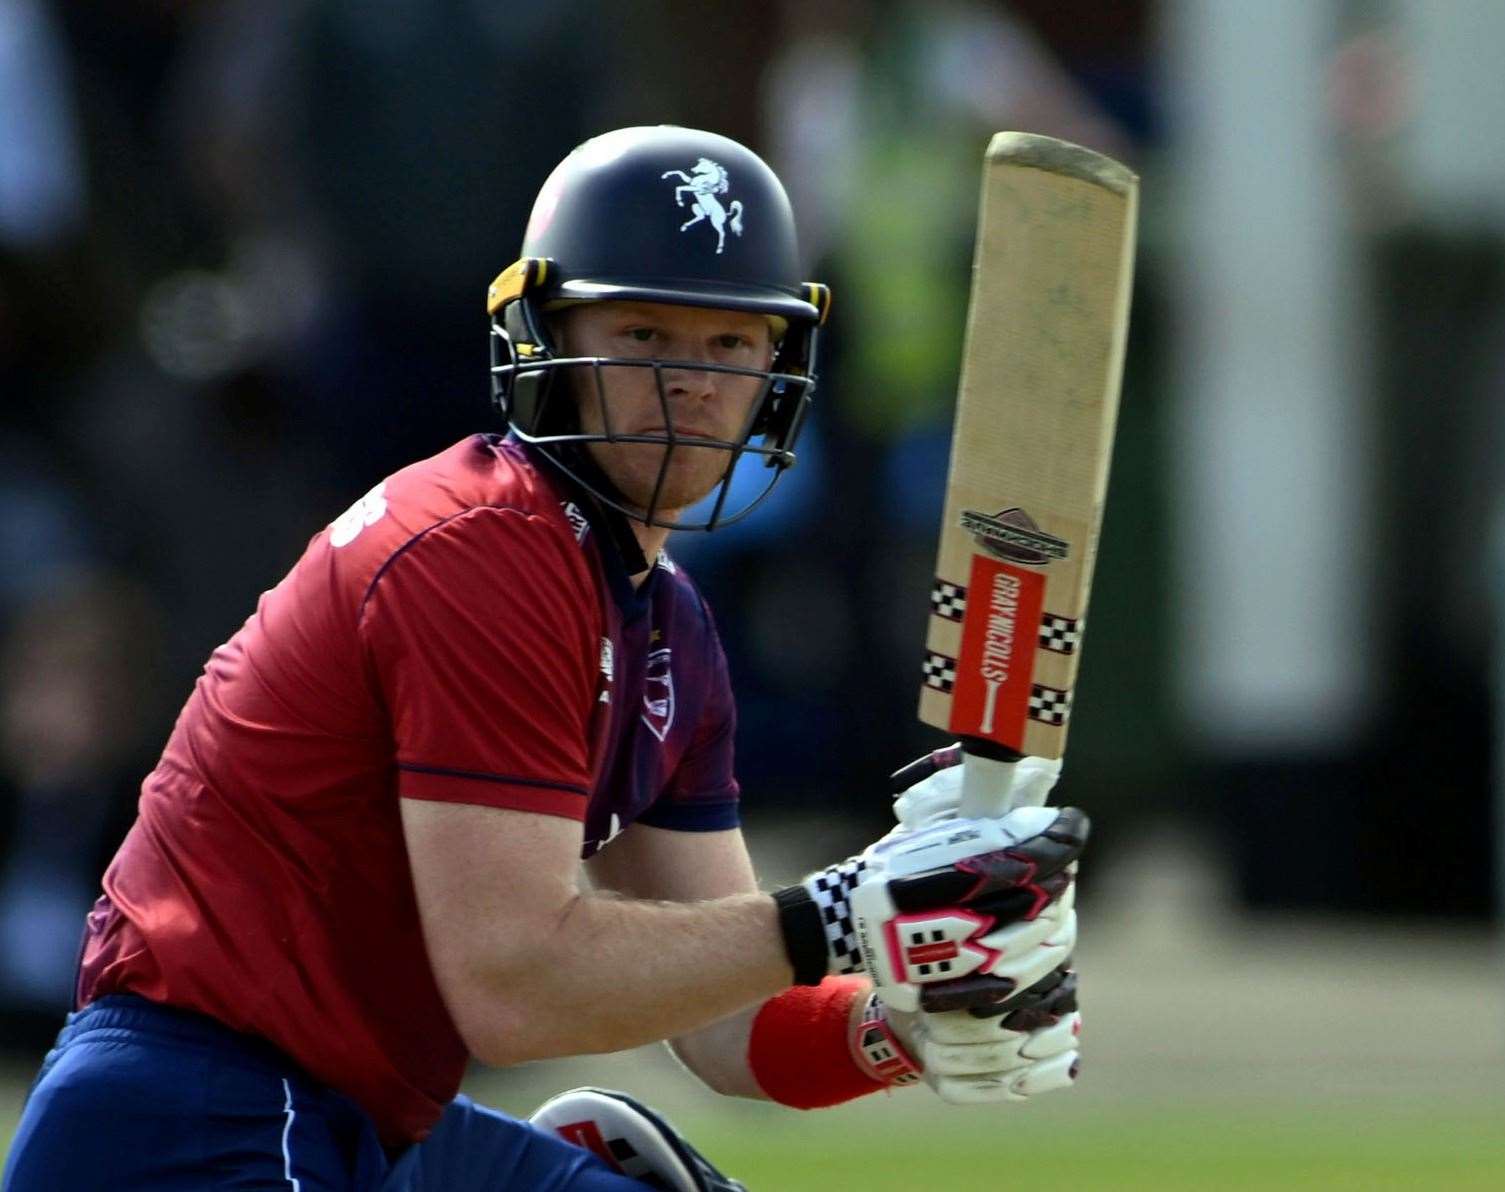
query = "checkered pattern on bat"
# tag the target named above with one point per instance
(940, 671)
(832, 891)
(1060, 634)
(1049, 705)
(948, 600)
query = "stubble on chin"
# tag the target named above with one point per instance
(634, 470)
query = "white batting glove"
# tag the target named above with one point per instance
(962, 913)
(946, 912)
(930, 789)
(970, 1058)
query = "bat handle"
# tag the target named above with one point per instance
(987, 778)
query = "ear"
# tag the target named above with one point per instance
(770, 344)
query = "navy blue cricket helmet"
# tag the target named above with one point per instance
(656, 214)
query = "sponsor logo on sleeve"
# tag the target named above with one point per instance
(369, 510)
(577, 520)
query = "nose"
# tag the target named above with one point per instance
(689, 382)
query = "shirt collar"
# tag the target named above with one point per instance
(616, 545)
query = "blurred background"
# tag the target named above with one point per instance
(243, 246)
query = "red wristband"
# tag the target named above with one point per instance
(800, 1047)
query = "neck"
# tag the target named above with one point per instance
(651, 540)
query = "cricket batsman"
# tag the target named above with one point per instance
(358, 863)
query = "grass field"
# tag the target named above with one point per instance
(1220, 1054)
(1168, 1147)
(1171, 1148)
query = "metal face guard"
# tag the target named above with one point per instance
(776, 414)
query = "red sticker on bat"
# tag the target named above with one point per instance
(999, 636)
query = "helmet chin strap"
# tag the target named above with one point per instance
(590, 479)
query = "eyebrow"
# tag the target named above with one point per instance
(648, 312)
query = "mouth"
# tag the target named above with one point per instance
(680, 432)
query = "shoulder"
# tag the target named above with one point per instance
(479, 506)
(478, 473)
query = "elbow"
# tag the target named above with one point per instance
(489, 1011)
(501, 1001)
(512, 1018)
(495, 1033)
(502, 1027)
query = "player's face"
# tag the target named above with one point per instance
(701, 404)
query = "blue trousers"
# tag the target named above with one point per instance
(136, 1097)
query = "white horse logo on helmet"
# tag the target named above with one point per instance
(706, 182)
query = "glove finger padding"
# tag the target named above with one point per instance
(929, 909)
(1014, 906)
(1030, 1064)
(1026, 955)
(1030, 951)
(983, 993)
(1019, 868)
(1053, 1040)
(1039, 1005)
(969, 1059)
(973, 1059)
(1059, 1073)
(994, 1050)
(1056, 1000)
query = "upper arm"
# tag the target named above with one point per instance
(490, 884)
(649, 862)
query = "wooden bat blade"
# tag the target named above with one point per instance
(1032, 442)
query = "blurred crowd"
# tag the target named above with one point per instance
(243, 247)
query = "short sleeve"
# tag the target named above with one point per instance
(702, 795)
(483, 637)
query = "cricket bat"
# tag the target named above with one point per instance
(1035, 415)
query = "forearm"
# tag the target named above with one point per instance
(717, 1054)
(615, 973)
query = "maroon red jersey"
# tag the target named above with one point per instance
(465, 633)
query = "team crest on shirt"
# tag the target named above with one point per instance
(658, 694)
